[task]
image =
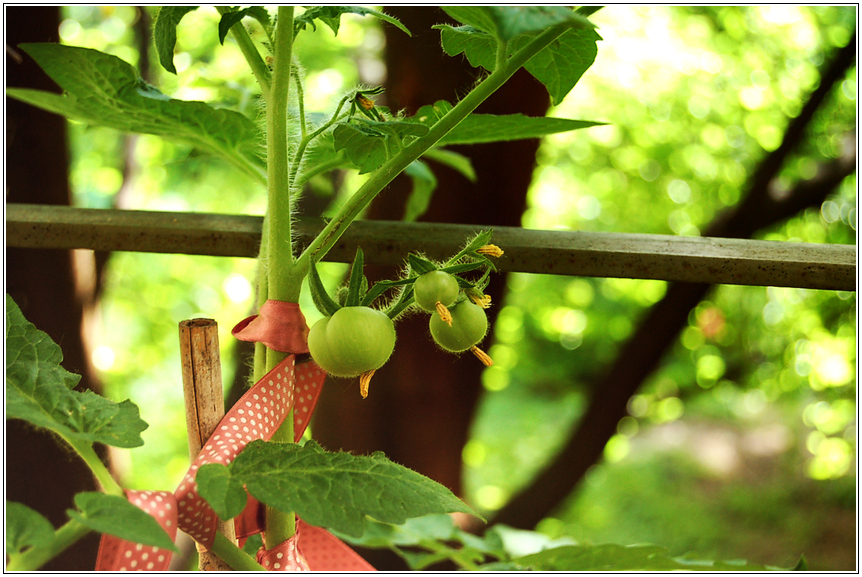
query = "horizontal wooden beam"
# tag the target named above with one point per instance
(641, 256)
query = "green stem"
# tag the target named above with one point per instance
(238, 559)
(100, 471)
(282, 281)
(249, 51)
(386, 173)
(35, 557)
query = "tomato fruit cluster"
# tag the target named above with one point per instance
(353, 341)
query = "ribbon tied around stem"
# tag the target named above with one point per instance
(257, 415)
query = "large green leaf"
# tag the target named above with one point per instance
(38, 391)
(333, 490)
(508, 22)
(609, 557)
(116, 516)
(104, 90)
(480, 128)
(559, 66)
(25, 528)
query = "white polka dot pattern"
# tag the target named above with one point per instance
(283, 557)
(257, 415)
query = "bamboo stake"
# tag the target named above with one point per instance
(204, 402)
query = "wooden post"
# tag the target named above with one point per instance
(204, 402)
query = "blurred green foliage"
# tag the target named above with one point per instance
(694, 98)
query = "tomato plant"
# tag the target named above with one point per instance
(352, 341)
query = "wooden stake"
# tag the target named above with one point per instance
(204, 402)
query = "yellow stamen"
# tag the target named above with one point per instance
(444, 313)
(482, 356)
(484, 301)
(364, 102)
(491, 250)
(364, 381)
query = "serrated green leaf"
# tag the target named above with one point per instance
(611, 557)
(508, 22)
(114, 515)
(38, 391)
(319, 296)
(369, 143)
(165, 33)
(331, 16)
(338, 490)
(104, 90)
(229, 19)
(25, 528)
(424, 183)
(559, 66)
(225, 495)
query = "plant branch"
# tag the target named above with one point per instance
(100, 471)
(249, 51)
(386, 173)
(238, 559)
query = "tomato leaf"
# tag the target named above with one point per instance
(559, 66)
(229, 19)
(331, 16)
(319, 296)
(508, 22)
(165, 33)
(116, 516)
(38, 390)
(454, 160)
(25, 528)
(103, 90)
(337, 490)
(424, 183)
(228, 497)
(370, 143)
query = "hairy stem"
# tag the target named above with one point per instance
(100, 471)
(283, 282)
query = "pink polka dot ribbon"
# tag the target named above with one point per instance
(257, 415)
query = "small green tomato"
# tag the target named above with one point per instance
(353, 341)
(469, 325)
(435, 287)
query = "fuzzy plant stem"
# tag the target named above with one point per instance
(283, 282)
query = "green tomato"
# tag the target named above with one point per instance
(435, 287)
(352, 341)
(469, 325)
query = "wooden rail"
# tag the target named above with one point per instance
(641, 256)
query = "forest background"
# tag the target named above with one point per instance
(741, 443)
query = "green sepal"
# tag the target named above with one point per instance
(355, 289)
(319, 296)
(420, 265)
(165, 33)
(381, 287)
(472, 246)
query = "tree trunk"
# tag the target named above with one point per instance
(52, 287)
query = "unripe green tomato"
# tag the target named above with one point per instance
(352, 341)
(469, 325)
(433, 287)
